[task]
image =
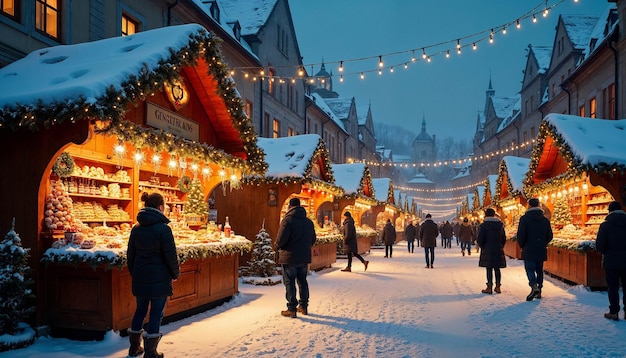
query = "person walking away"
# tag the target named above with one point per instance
(475, 226)
(389, 238)
(428, 234)
(409, 236)
(349, 238)
(455, 228)
(296, 236)
(491, 239)
(417, 234)
(533, 235)
(466, 235)
(447, 233)
(611, 243)
(153, 267)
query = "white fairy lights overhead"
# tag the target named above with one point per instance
(388, 61)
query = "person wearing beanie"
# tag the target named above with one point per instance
(491, 239)
(611, 243)
(533, 235)
(349, 238)
(296, 236)
(466, 235)
(428, 235)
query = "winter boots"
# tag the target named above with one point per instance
(150, 343)
(489, 289)
(288, 313)
(366, 263)
(303, 309)
(497, 288)
(347, 269)
(534, 292)
(134, 337)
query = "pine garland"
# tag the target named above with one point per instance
(64, 165)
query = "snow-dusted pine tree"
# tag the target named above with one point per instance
(562, 214)
(195, 203)
(262, 263)
(15, 288)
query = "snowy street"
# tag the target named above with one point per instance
(397, 308)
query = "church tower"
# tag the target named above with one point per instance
(324, 83)
(424, 147)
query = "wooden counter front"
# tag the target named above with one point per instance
(512, 249)
(82, 298)
(584, 268)
(323, 255)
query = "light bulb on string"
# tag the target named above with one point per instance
(362, 75)
(474, 47)
(380, 62)
(534, 18)
(340, 66)
(518, 24)
(341, 78)
(380, 72)
(504, 30)
(423, 53)
(391, 69)
(448, 54)
(406, 65)
(412, 55)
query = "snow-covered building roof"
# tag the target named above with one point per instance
(252, 14)
(515, 112)
(568, 145)
(340, 106)
(383, 190)
(503, 106)
(579, 28)
(511, 174)
(303, 156)
(543, 55)
(419, 179)
(323, 106)
(355, 179)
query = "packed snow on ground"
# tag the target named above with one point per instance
(397, 308)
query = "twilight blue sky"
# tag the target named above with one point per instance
(449, 92)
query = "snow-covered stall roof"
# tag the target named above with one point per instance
(383, 190)
(568, 145)
(511, 174)
(301, 157)
(478, 197)
(99, 80)
(354, 178)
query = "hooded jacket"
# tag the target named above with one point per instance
(389, 234)
(466, 232)
(349, 234)
(428, 233)
(611, 241)
(295, 238)
(410, 233)
(151, 253)
(491, 239)
(533, 235)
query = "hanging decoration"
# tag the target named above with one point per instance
(64, 165)
(156, 162)
(171, 165)
(119, 151)
(235, 182)
(194, 169)
(206, 172)
(184, 184)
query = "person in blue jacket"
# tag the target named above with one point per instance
(611, 243)
(153, 266)
(533, 235)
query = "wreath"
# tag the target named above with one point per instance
(64, 165)
(184, 184)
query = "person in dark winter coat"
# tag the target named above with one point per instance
(491, 239)
(455, 229)
(409, 235)
(389, 238)
(349, 238)
(466, 235)
(417, 234)
(446, 234)
(611, 243)
(428, 234)
(296, 236)
(153, 266)
(533, 235)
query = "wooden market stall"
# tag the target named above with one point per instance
(383, 210)
(298, 166)
(509, 195)
(85, 134)
(356, 181)
(577, 168)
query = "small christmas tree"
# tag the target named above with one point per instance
(262, 263)
(562, 214)
(14, 287)
(195, 203)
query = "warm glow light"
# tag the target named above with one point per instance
(448, 54)
(534, 18)
(474, 46)
(340, 66)
(119, 149)
(380, 62)
(518, 24)
(341, 78)
(173, 163)
(423, 53)
(362, 75)
(504, 30)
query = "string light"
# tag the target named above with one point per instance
(380, 62)
(448, 54)
(423, 53)
(534, 18)
(518, 24)
(340, 66)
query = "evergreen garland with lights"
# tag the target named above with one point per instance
(15, 286)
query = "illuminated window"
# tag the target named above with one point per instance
(581, 111)
(275, 128)
(129, 26)
(249, 109)
(611, 101)
(47, 17)
(592, 108)
(270, 81)
(291, 132)
(9, 7)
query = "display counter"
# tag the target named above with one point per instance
(576, 266)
